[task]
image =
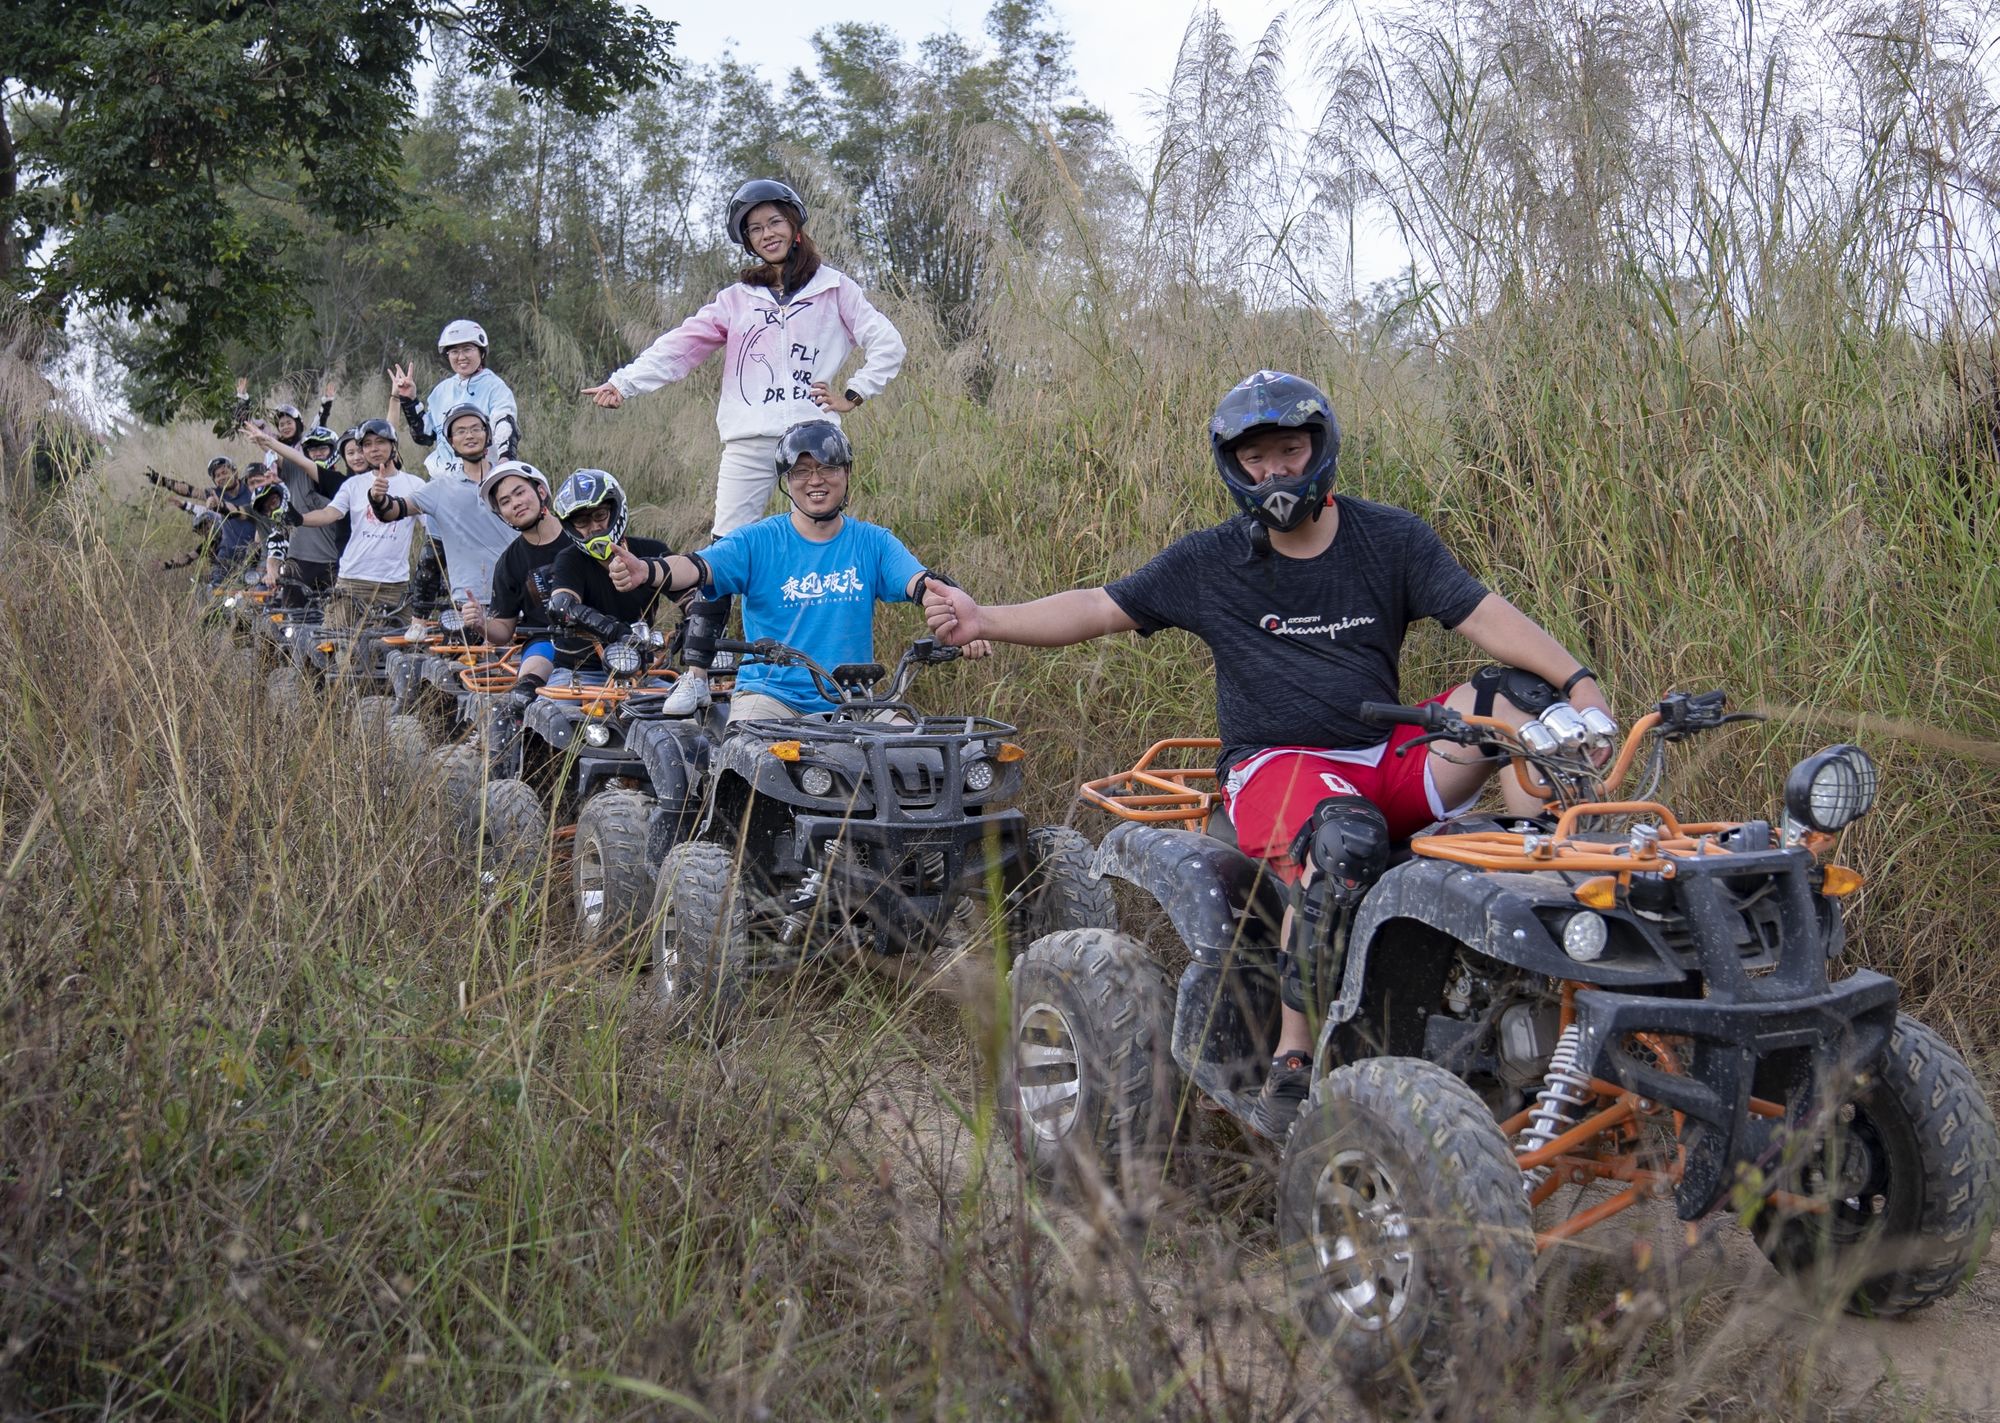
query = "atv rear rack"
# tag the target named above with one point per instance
(1160, 795)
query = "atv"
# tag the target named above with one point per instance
(870, 833)
(597, 759)
(437, 675)
(1604, 993)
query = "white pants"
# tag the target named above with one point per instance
(744, 482)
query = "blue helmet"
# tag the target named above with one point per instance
(1274, 399)
(586, 489)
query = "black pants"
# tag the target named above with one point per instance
(298, 577)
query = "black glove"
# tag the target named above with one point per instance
(568, 610)
(152, 476)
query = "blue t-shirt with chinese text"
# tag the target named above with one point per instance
(817, 597)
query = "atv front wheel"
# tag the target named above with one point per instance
(371, 715)
(284, 690)
(1909, 1178)
(1407, 1237)
(1088, 1082)
(612, 879)
(700, 940)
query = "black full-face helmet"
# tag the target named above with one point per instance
(588, 489)
(1275, 400)
(756, 192)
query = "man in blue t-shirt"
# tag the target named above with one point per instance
(810, 578)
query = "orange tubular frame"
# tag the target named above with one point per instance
(1157, 795)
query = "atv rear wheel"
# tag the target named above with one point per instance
(1060, 892)
(408, 740)
(371, 716)
(700, 940)
(1910, 1176)
(1407, 1237)
(514, 829)
(1088, 1082)
(608, 867)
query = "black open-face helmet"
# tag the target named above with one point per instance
(1275, 400)
(587, 489)
(219, 463)
(378, 426)
(459, 412)
(350, 436)
(827, 443)
(756, 192)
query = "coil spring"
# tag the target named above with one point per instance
(801, 907)
(1565, 1092)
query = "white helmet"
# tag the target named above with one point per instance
(489, 487)
(459, 332)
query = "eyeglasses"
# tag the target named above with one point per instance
(827, 471)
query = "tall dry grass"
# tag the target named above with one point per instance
(296, 1122)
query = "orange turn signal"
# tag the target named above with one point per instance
(1598, 892)
(326, 647)
(1838, 881)
(1009, 753)
(785, 750)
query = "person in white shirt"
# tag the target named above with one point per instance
(375, 566)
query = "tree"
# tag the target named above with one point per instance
(160, 161)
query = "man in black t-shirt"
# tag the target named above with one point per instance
(1304, 599)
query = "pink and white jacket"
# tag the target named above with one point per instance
(774, 353)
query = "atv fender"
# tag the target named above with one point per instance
(1492, 914)
(1222, 903)
(675, 754)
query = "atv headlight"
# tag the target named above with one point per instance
(596, 733)
(1831, 789)
(979, 776)
(451, 620)
(622, 658)
(816, 780)
(1585, 935)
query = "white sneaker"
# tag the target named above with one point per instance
(690, 694)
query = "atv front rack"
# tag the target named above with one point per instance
(1559, 850)
(1151, 794)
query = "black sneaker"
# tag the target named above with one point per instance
(1285, 1087)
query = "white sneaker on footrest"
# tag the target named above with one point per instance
(690, 694)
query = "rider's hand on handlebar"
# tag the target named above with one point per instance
(952, 614)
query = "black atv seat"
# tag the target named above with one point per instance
(859, 674)
(1220, 827)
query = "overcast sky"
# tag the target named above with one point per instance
(1122, 49)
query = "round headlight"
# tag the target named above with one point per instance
(622, 658)
(816, 780)
(979, 776)
(1831, 789)
(1584, 936)
(596, 733)
(451, 620)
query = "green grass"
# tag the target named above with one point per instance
(258, 1160)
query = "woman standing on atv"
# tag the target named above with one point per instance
(786, 327)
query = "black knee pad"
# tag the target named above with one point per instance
(706, 618)
(1524, 689)
(1346, 842)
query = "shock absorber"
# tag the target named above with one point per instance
(1565, 1093)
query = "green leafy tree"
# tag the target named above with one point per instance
(162, 161)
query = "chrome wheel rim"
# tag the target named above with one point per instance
(1048, 1071)
(589, 887)
(1361, 1240)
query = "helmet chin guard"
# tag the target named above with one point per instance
(587, 489)
(1275, 400)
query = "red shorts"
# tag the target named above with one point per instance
(1270, 794)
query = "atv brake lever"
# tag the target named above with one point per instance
(1460, 736)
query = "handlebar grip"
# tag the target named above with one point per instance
(1387, 714)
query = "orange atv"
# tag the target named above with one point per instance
(1603, 994)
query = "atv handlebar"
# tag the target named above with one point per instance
(1432, 717)
(922, 652)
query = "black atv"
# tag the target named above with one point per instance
(1602, 994)
(870, 833)
(279, 637)
(599, 761)
(437, 674)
